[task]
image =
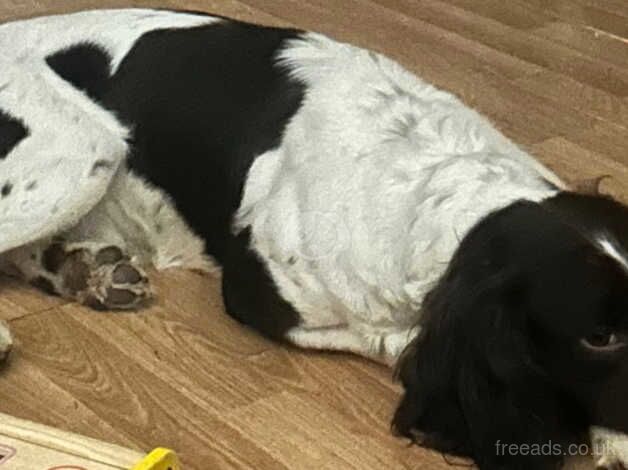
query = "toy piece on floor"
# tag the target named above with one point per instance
(25, 445)
(159, 459)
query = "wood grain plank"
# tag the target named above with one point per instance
(123, 395)
(508, 13)
(590, 41)
(17, 300)
(293, 414)
(606, 138)
(417, 44)
(573, 95)
(603, 15)
(523, 45)
(67, 443)
(618, 7)
(175, 375)
(576, 163)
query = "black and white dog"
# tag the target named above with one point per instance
(350, 205)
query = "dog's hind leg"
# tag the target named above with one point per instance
(100, 261)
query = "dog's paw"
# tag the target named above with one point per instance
(101, 277)
(119, 285)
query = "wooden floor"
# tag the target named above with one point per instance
(552, 74)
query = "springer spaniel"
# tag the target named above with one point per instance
(350, 206)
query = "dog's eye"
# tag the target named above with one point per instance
(602, 340)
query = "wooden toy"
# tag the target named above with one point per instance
(29, 446)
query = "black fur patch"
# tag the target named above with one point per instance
(86, 66)
(250, 295)
(6, 189)
(203, 103)
(12, 131)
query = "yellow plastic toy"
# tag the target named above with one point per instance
(159, 459)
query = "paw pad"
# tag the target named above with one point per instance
(120, 297)
(109, 255)
(126, 274)
(103, 278)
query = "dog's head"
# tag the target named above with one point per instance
(524, 340)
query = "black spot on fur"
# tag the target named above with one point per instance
(6, 189)
(12, 131)
(86, 66)
(203, 103)
(53, 258)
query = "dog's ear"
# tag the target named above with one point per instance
(473, 385)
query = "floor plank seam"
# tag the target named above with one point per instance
(38, 312)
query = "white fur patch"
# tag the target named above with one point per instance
(140, 218)
(74, 147)
(379, 175)
(614, 250)
(610, 448)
